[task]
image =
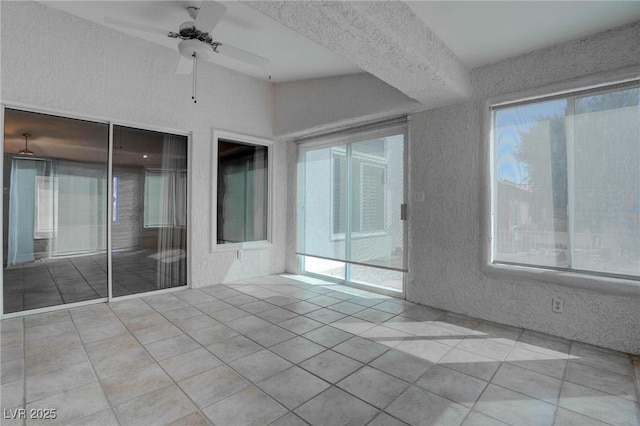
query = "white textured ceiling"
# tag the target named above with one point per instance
(292, 56)
(484, 32)
(474, 33)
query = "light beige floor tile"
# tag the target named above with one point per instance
(12, 394)
(189, 364)
(213, 385)
(271, 335)
(425, 349)
(529, 383)
(514, 408)
(260, 365)
(485, 347)
(289, 420)
(599, 405)
(383, 419)
(545, 363)
(228, 314)
(300, 324)
(161, 406)
(133, 383)
(181, 313)
(207, 336)
(346, 308)
(451, 384)
(386, 336)
(193, 419)
(373, 315)
(373, 386)
(167, 348)
(476, 418)
(277, 315)
(324, 315)
(71, 404)
(250, 407)
(570, 418)
(360, 349)
(353, 325)
(603, 380)
(56, 381)
(336, 407)
(157, 332)
(146, 320)
(328, 336)
(419, 407)
(248, 324)
(543, 343)
(196, 322)
(297, 349)
(585, 354)
(331, 366)
(301, 308)
(101, 418)
(233, 348)
(469, 363)
(402, 365)
(293, 387)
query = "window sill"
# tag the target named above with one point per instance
(359, 235)
(576, 280)
(249, 246)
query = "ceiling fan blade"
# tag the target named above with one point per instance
(185, 66)
(135, 26)
(242, 55)
(209, 15)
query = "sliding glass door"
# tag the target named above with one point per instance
(55, 210)
(58, 211)
(149, 229)
(351, 208)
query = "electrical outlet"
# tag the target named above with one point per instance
(557, 304)
(239, 254)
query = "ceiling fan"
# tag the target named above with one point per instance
(196, 41)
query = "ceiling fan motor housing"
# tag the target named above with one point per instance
(190, 47)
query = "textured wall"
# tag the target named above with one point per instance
(316, 104)
(449, 164)
(56, 61)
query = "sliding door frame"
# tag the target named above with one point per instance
(111, 123)
(347, 138)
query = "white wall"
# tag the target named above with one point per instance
(449, 165)
(306, 106)
(55, 61)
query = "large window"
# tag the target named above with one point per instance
(243, 192)
(566, 182)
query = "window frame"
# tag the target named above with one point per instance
(219, 134)
(605, 283)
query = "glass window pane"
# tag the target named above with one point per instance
(331, 268)
(530, 183)
(607, 182)
(242, 192)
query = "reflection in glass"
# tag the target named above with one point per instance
(242, 192)
(55, 211)
(149, 231)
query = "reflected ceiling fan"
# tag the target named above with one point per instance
(196, 41)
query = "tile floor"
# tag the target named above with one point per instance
(282, 351)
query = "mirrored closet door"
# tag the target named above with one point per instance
(58, 210)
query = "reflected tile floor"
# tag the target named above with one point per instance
(291, 350)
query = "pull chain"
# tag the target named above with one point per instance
(195, 76)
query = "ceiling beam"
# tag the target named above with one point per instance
(383, 38)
